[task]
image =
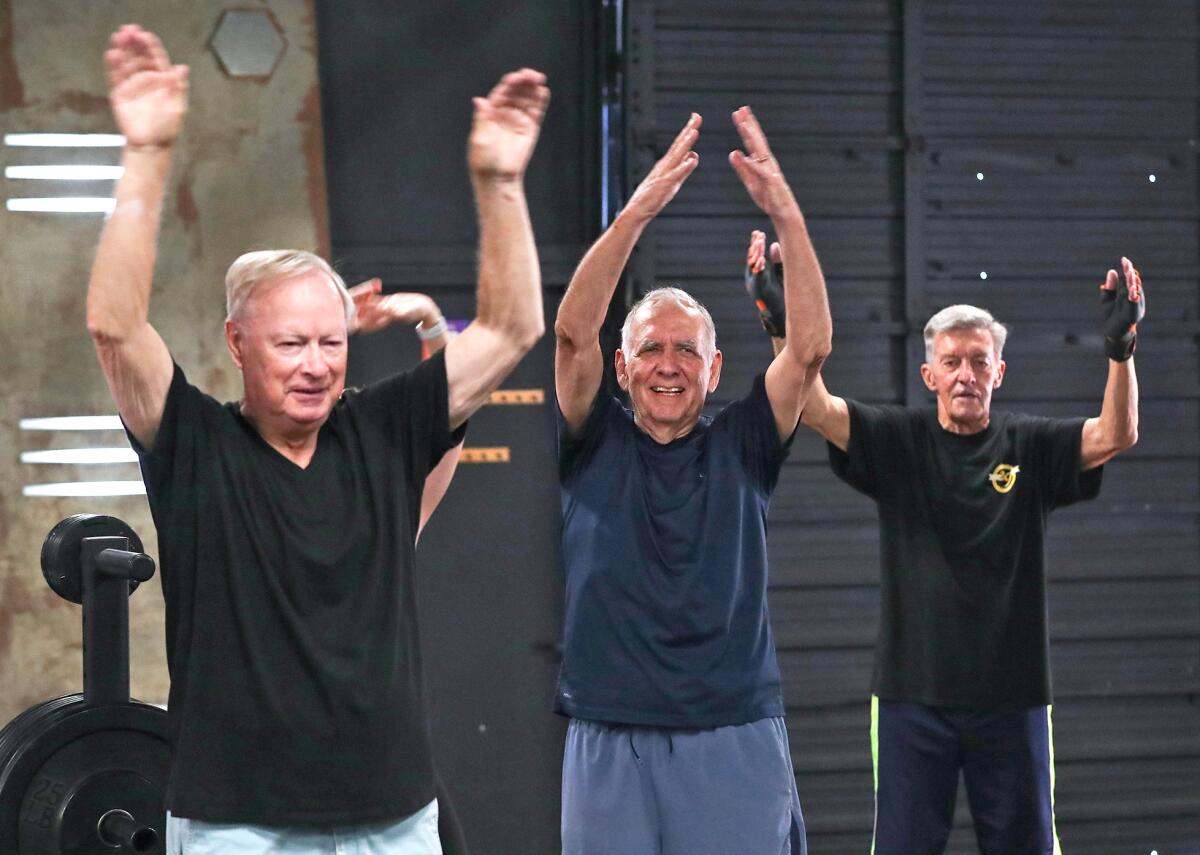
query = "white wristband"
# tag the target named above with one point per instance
(438, 329)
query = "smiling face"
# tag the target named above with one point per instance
(670, 369)
(963, 374)
(290, 343)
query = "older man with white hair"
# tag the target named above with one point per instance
(962, 673)
(676, 743)
(286, 520)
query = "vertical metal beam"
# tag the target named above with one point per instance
(916, 265)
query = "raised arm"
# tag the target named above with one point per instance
(1116, 428)
(149, 99)
(827, 414)
(578, 362)
(508, 316)
(809, 330)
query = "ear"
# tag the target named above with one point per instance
(622, 371)
(999, 375)
(714, 372)
(927, 376)
(233, 340)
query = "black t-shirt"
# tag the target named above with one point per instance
(665, 548)
(296, 686)
(963, 523)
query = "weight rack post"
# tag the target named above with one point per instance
(107, 567)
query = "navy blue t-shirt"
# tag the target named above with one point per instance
(665, 548)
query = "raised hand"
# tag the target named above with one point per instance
(506, 125)
(376, 310)
(663, 181)
(1123, 309)
(758, 169)
(148, 95)
(764, 284)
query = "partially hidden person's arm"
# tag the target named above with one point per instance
(149, 99)
(375, 311)
(827, 414)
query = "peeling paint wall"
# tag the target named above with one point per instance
(248, 174)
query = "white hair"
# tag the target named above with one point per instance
(252, 269)
(655, 296)
(963, 317)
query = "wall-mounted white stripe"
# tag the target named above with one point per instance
(87, 488)
(80, 455)
(64, 205)
(72, 423)
(66, 140)
(65, 172)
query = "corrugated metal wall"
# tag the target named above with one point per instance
(1004, 154)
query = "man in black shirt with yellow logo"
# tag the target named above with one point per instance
(961, 666)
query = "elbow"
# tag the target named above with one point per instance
(103, 334)
(531, 334)
(567, 335)
(811, 356)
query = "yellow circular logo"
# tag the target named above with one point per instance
(1004, 476)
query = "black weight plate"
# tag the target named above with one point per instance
(72, 743)
(61, 565)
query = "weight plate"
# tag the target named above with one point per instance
(61, 565)
(63, 760)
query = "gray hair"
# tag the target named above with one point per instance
(252, 269)
(655, 296)
(963, 317)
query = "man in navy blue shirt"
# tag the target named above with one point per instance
(677, 742)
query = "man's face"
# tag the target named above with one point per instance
(290, 344)
(963, 374)
(667, 374)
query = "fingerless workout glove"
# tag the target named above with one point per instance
(1121, 316)
(765, 286)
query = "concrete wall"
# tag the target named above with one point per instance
(248, 175)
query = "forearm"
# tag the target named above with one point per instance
(583, 307)
(1119, 412)
(509, 296)
(122, 274)
(809, 327)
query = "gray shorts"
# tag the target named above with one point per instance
(413, 835)
(630, 790)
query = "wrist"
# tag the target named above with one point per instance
(1120, 349)
(430, 329)
(485, 181)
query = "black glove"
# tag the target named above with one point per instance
(766, 287)
(1121, 316)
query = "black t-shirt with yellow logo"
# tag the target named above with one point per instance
(963, 525)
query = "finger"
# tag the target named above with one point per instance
(776, 253)
(742, 166)
(685, 139)
(367, 286)
(153, 48)
(516, 84)
(753, 138)
(1110, 281)
(754, 252)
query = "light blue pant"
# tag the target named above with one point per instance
(413, 835)
(631, 790)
